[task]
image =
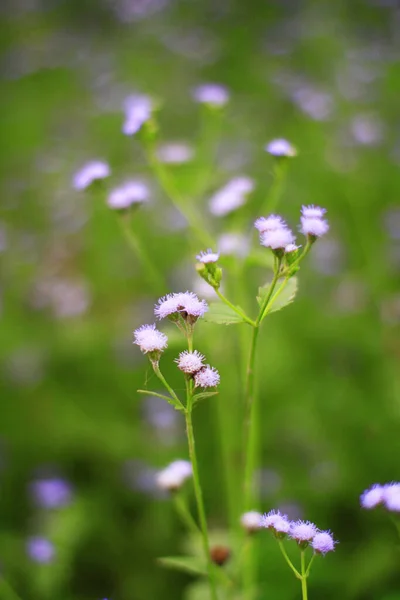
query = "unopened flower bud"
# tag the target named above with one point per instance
(220, 555)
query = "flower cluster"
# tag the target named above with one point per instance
(304, 533)
(185, 304)
(150, 341)
(387, 495)
(191, 363)
(312, 222)
(174, 475)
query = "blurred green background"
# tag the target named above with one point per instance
(324, 75)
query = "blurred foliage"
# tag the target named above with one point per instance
(325, 75)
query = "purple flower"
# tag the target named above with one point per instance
(127, 194)
(175, 153)
(211, 93)
(391, 496)
(231, 197)
(302, 531)
(312, 222)
(190, 362)
(90, 172)
(280, 147)
(208, 256)
(206, 377)
(277, 238)
(40, 549)
(149, 339)
(184, 303)
(372, 497)
(323, 542)
(276, 521)
(271, 223)
(51, 492)
(138, 110)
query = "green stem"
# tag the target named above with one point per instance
(289, 562)
(275, 191)
(303, 576)
(185, 515)
(267, 298)
(237, 310)
(182, 204)
(309, 565)
(166, 384)
(198, 492)
(155, 278)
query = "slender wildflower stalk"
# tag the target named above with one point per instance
(184, 513)
(303, 576)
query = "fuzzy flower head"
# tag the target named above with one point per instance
(53, 492)
(281, 148)
(271, 223)
(186, 304)
(175, 153)
(40, 549)
(150, 341)
(323, 542)
(174, 475)
(372, 497)
(303, 532)
(207, 377)
(231, 197)
(138, 109)
(291, 248)
(279, 523)
(213, 94)
(130, 193)
(92, 171)
(208, 256)
(190, 362)
(312, 223)
(277, 239)
(251, 521)
(391, 496)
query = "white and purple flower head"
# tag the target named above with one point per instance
(138, 109)
(208, 257)
(40, 549)
(190, 362)
(127, 194)
(213, 94)
(251, 521)
(185, 303)
(277, 239)
(291, 248)
(276, 521)
(391, 496)
(271, 223)
(231, 197)
(52, 492)
(323, 542)
(207, 377)
(175, 153)
(281, 147)
(302, 531)
(372, 497)
(90, 172)
(312, 221)
(174, 475)
(150, 339)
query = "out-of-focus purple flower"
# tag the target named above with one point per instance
(40, 549)
(391, 496)
(138, 109)
(51, 492)
(372, 497)
(211, 93)
(127, 194)
(251, 521)
(90, 172)
(175, 153)
(231, 197)
(174, 475)
(281, 148)
(323, 542)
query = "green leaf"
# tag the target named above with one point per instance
(187, 564)
(202, 396)
(222, 314)
(279, 299)
(169, 399)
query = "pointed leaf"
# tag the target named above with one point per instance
(222, 314)
(169, 399)
(203, 395)
(279, 299)
(187, 564)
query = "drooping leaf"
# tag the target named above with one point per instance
(222, 314)
(283, 295)
(187, 564)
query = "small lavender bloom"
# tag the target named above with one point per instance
(175, 153)
(51, 493)
(231, 197)
(131, 192)
(149, 339)
(166, 306)
(372, 497)
(40, 549)
(207, 377)
(138, 109)
(184, 302)
(277, 238)
(391, 496)
(90, 172)
(323, 542)
(271, 223)
(276, 521)
(211, 93)
(251, 521)
(280, 147)
(313, 212)
(190, 362)
(174, 475)
(302, 531)
(208, 257)
(312, 222)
